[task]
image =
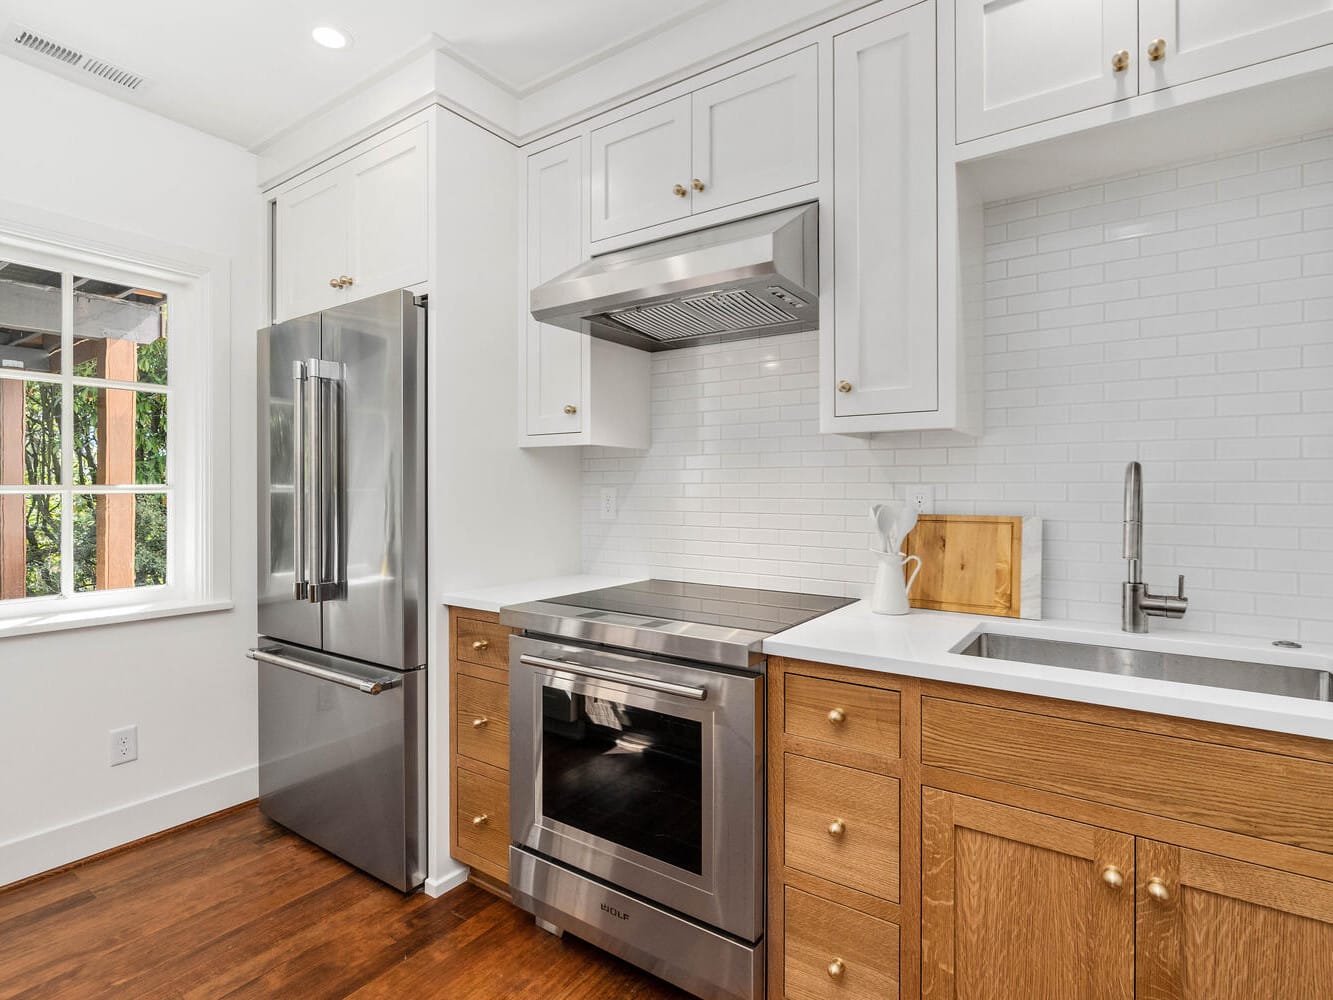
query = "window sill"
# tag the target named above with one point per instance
(59, 620)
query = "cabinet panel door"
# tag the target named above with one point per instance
(1019, 905)
(1024, 61)
(1204, 37)
(757, 132)
(389, 212)
(1217, 929)
(554, 373)
(310, 246)
(637, 164)
(885, 341)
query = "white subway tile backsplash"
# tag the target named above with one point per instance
(1183, 318)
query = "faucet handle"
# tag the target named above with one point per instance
(1180, 587)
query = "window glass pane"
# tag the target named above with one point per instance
(120, 541)
(29, 433)
(120, 437)
(119, 332)
(29, 318)
(29, 545)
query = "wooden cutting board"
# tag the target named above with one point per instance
(977, 564)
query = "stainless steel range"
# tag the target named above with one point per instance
(637, 773)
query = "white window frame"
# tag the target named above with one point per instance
(197, 287)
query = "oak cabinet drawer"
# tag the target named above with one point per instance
(482, 720)
(1259, 794)
(831, 951)
(841, 824)
(482, 820)
(486, 643)
(847, 715)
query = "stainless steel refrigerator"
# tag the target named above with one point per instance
(342, 582)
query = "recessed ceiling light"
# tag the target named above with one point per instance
(330, 37)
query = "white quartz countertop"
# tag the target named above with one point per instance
(495, 598)
(920, 644)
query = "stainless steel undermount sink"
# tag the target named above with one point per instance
(1208, 671)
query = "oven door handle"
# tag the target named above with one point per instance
(615, 676)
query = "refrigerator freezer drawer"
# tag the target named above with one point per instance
(341, 766)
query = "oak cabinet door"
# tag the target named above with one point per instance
(554, 357)
(1205, 37)
(309, 246)
(388, 212)
(640, 173)
(1024, 61)
(1018, 905)
(885, 340)
(1212, 928)
(756, 133)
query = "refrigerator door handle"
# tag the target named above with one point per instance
(265, 654)
(300, 569)
(327, 573)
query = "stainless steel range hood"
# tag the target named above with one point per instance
(741, 279)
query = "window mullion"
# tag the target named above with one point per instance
(67, 433)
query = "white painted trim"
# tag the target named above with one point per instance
(53, 615)
(50, 848)
(451, 879)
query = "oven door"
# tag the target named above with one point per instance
(643, 772)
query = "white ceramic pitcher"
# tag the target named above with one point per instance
(890, 594)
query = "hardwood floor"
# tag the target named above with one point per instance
(238, 907)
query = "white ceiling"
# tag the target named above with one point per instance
(247, 69)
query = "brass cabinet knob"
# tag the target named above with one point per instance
(481, 644)
(837, 828)
(481, 820)
(1120, 61)
(1157, 50)
(347, 282)
(1113, 876)
(335, 283)
(571, 409)
(1157, 890)
(836, 717)
(480, 722)
(836, 968)
(697, 184)
(844, 386)
(680, 191)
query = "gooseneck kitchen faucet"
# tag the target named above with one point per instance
(1137, 603)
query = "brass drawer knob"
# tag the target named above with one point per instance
(571, 409)
(481, 820)
(1157, 890)
(837, 828)
(347, 282)
(1120, 61)
(844, 386)
(481, 644)
(1113, 876)
(697, 184)
(836, 968)
(836, 717)
(680, 191)
(481, 722)
(335, 283)
(1157, 50)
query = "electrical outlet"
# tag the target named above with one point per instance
(124, 745)
(923, 497)
(608, 507)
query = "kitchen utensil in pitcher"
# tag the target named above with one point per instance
(889, 596)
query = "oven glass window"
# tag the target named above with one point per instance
(624, 774)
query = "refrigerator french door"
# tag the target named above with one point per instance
(342, 550)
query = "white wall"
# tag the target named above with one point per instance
(183, 681)
(1183, 318)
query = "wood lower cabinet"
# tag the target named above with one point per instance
(833, 951)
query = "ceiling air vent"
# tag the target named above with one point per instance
(68, 58)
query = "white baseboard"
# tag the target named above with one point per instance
(455, 876)
(51, 848)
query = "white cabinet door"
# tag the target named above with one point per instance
(388, 211)
(1024, 61)
(757, 132)
(641, 170)
(1204, 37)
(885, 308)
(309, 246)
(554, 357)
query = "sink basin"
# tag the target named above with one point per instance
(1209, 671)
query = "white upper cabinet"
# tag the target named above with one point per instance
(886, 337)
(757, 132)
(553, 372)
(1198, 38)
(1024, 61)
(356, 230)
(641, 170)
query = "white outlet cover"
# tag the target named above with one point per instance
(124, 745)
(923, 497)
(609, 503)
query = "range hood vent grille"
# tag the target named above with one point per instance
(719, 312)
(70, 58)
